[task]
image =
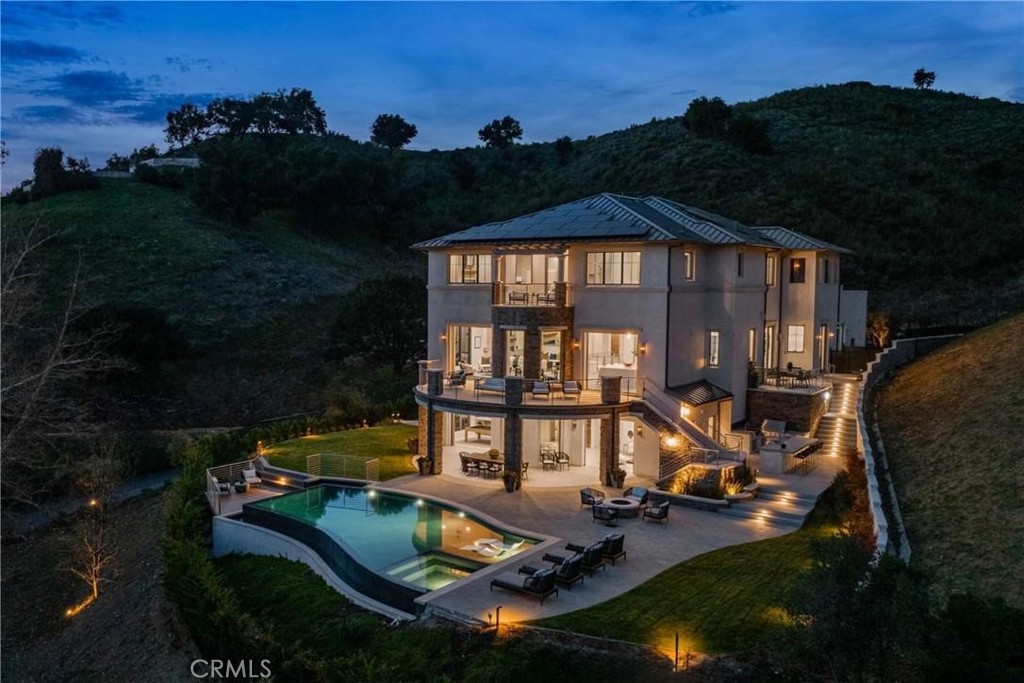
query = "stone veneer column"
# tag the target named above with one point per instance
(497, 351)
(609, 453)
(513, 424)
(611, 390)
(431, 423)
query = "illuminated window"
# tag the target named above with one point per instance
(752, 345)
(769, 270)
(714, 344)
(469, 268)
(613, 268)
(689, 265)
(795, 339)
(797, 270)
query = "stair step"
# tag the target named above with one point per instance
(765, 515)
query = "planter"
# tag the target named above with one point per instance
(618, 482)
(510, 485)
(424, 465)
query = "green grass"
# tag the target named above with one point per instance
(386, 442)
(725, 601)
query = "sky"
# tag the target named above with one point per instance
(96, 78)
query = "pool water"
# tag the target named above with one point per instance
(402, 537)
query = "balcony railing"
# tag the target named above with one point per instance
(530, 294)
(789, 378)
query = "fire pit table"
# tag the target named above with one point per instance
(625, 506)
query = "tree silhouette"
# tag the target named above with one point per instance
(707, 117)
(501, 133)
(564, 150)
(188, 125)
(392, 131)
(923, 80)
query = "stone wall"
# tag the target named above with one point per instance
(531, 319)
(800, 411)
(423, 433)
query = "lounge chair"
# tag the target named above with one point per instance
(611, 547)
(591, 558)
(518, 298)
(539, 585)
(457, 379)
(607, 515)
(540, 389)
(223, 487)
(571, 387)
(589, 496)
(658, 512)
(637, 494)
(566, 574)
(251, 477)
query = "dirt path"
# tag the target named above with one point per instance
(129, 634)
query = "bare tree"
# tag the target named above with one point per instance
(42, 358)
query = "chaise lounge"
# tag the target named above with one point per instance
(611, 547)
(566, 574)
(591, 557)
(540, 584)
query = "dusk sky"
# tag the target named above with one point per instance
(97, 78)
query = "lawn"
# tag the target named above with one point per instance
(724, 601)
(386, 443)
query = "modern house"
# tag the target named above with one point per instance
(617, 331)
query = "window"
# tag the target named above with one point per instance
(689, 265)
(795, 339)
(714, 344)
(752, 345)
(613, 268)
(825, 268)
(469, 268)
(797, 270)
(739, 264)
(769, 270)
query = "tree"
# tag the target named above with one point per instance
(383, 321)
(140, 154)
(501, 133)
(54, 173)
(924, 80)
(564, 150)
(187, 126)
(879, 328)
(116, 162)
(751, 134)
(707, 117)
(392, 131)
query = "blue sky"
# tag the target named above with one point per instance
(97, 78)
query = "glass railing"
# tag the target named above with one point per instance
(530, 294)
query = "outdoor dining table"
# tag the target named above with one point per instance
(485, 461)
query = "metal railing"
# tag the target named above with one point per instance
(696, 455)
(343, 466)
(530, 294)
(790, 378)
(228, 474)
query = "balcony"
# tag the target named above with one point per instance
(530, 294)
(490, 391)
(793, 378)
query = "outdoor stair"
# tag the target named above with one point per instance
(838, 428)
(775, 507)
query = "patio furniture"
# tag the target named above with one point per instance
(547, 460)
(491, 384)
(562, 459)
(540, 389)
(251, 477)
(626, 507)
(517, 298)
(223, 487)
(605, 514)
(523, 473)
(637, 493)
(566, 574)
(494, 469)
(591, 558)
(546, 299)
(540, 584)
(611, 547)
(570, 388)
(658, 512)
(589, 496)
(241, 487)
(457, 379)
(469, 465)
(479, 430)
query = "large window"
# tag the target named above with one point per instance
(769, 270)
(824, 270)
(470, 349)
(795, 339)
(797, 270)
(752, 345)
(613, 268)
(469, 268)
(714, 347)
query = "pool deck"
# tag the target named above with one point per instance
(651, 547)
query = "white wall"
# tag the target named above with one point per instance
(853, 315)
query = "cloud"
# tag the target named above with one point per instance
(1015, 94)
(47, 114)
(707, 9)
(31, 52)
(154, 108)
(185, 65)
(92, 88)
(41, 15)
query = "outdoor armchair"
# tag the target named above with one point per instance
(658, 512)
(571, 387)
(251, 477)
(589, 496)
(223, 487)
(608, 515)
(636, 493)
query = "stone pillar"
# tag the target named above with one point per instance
(611, 390)
(513, 441)
(568, 356)
(531, 353)
(435, 382)
(430, 433)
(609, 449)
(498, 363)
(424, 365)
(513, 391)
(561, 294)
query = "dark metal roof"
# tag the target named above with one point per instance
(699, 392)
(612, 217)
(791, 239)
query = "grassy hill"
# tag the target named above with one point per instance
(953, 433)
(927, 188)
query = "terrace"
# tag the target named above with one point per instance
(547, 394)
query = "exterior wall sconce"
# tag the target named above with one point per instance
(643, 349)
(640, 431)
(684, 410)
(575, 345)
(444, 338)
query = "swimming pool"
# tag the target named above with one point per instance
(390, 546)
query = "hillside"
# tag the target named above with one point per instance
(249, 261)
(953, 433)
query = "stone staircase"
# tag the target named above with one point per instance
(774, 506)
(838, 428)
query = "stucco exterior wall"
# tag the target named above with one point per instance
(853, 316)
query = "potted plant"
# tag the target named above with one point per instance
(618, 477)
(511, 480)
(423, 463)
